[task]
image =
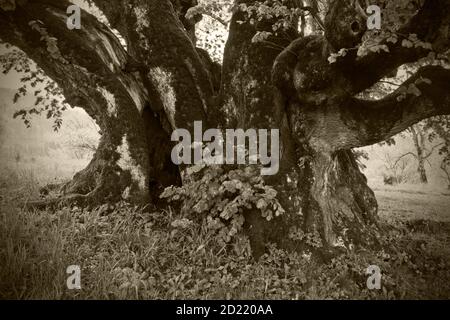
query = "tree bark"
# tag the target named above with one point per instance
(311, 101)
(320, 187)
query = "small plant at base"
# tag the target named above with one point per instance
(312, 239)
(220, 195)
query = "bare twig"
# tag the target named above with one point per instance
(404, 155)
(432, 150)
(215, 17)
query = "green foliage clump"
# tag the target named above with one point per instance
(48, 95)
(394, 15)
(312, 239)
(280, 13)
(220, 196)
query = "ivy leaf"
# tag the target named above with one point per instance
(407, 44)
(261, 36)
(261, 204)
(392, 39)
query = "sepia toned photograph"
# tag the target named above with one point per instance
(243, 151)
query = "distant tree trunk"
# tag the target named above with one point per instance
(422, 172)
(445, 168)
(419, 141)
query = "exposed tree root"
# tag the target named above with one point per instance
(53, 203)
(94, 197)
(97, 184)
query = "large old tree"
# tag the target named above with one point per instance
(139, 93)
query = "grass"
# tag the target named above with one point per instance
(127, 253)
(407, 204)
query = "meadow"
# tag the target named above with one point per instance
(127, 252)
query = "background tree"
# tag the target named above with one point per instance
(440, 127)
(445, 167)
(421, 155)
(420, 134)
(423, 135)
(396, 169)
(271, 77)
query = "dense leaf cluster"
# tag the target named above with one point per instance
(221, 195)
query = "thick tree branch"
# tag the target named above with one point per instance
(87, 65)
(369, 122)
(247, 88)
(92, 50)
(178, 83)
(431, 24)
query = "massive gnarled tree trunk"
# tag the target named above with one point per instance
(162, 82)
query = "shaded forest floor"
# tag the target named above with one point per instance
(125, 253)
